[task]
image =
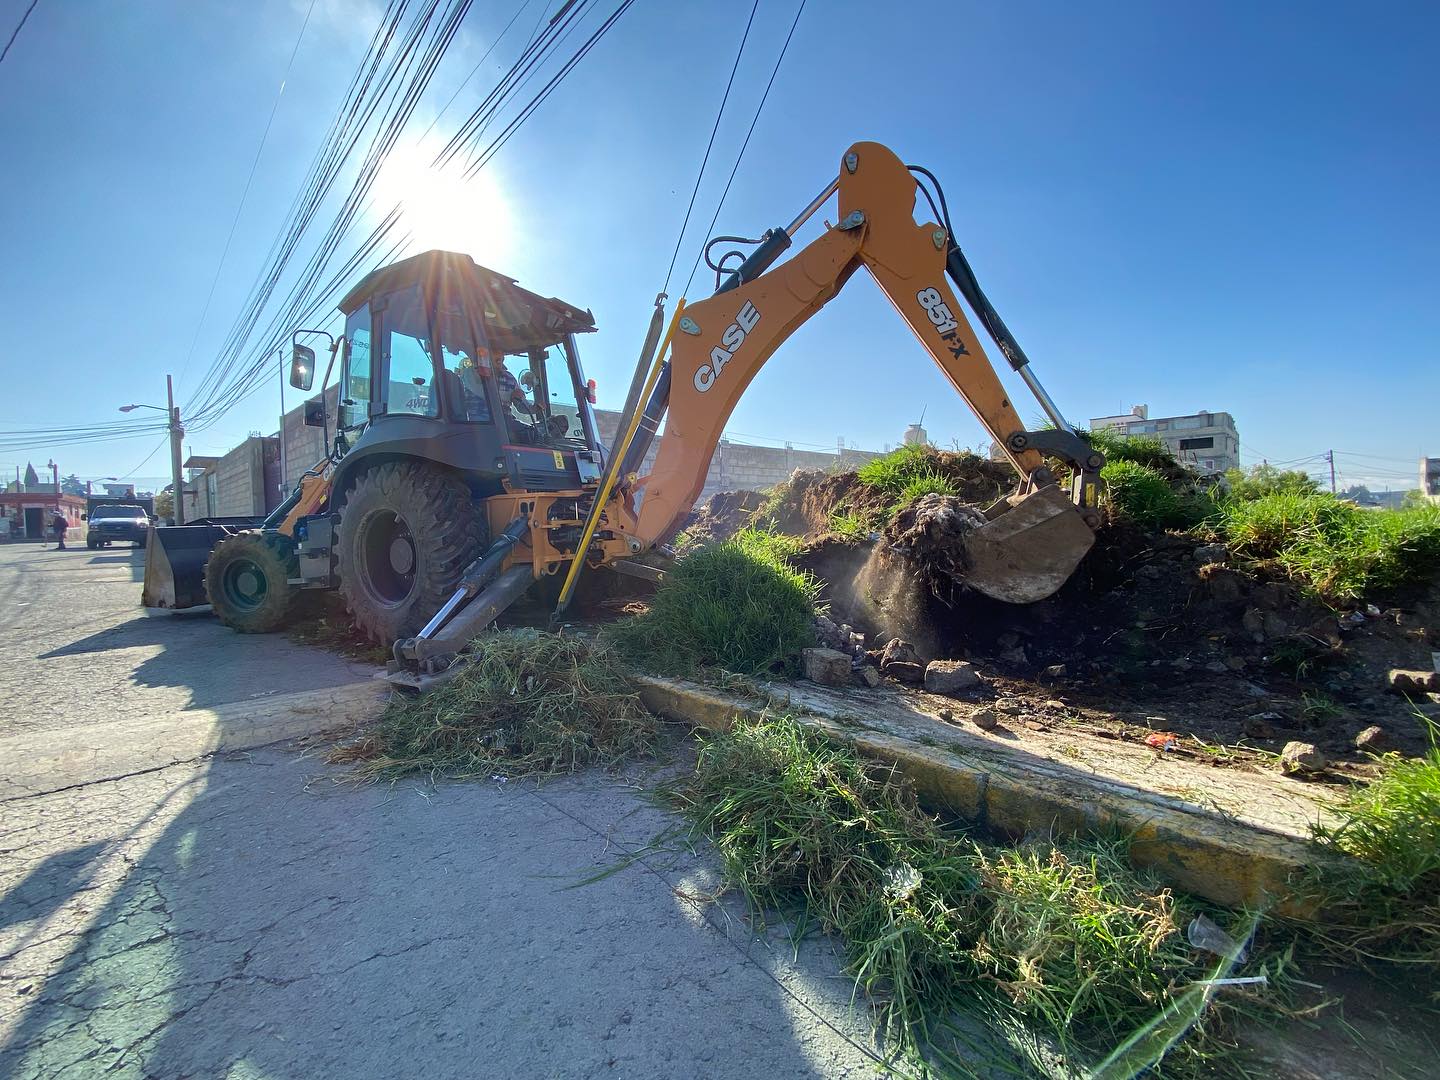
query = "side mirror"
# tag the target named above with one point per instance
(315, 414)
(302, 368)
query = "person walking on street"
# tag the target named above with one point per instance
(59, 524)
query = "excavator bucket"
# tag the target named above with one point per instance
(1030, 550)
(175, 558)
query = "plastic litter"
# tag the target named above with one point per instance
(1204, 934)
(1162, 740)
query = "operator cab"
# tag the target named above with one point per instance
(451, 361)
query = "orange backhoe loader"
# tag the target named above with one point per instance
(476, 466)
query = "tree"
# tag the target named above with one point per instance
(1262, 480)
(72, 485)
(165, 504)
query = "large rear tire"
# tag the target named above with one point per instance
(247, 581)
(407, 532)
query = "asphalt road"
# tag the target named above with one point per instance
(253, 916)
(79, 649)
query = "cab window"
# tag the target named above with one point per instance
(410, 370)
(560, 394)
(355, 394)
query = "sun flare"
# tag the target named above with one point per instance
(441, 209)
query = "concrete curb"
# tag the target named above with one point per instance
(35, 765)
(1014, 790)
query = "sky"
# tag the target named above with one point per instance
(1219, 207)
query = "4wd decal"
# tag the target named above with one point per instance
(944, 320)
(730, 341)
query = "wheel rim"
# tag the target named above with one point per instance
(243, 585)
(388, 551)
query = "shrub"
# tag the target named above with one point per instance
(739, 605)
(1141, 494)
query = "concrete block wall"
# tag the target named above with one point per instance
(742, 467)
(304, 446)
(240, 478)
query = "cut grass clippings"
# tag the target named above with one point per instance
(737, 605)
(1067, 938)
(527, 704)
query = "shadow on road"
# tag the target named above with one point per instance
(271, 933)
(134, 558)
(54, 880)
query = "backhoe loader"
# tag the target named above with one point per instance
(466, 463)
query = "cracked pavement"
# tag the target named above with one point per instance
(244, 915)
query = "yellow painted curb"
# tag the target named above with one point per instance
(1206, 852)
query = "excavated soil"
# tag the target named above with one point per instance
(1153, 633)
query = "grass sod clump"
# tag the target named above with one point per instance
(1337, 549)
(1385, 904)
(1068, 940)
(528, 704)
(1147, 450)
(738, 605)
(1141, 494)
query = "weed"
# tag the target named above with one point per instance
(1385, 904)
(929, 482)
(896, 469)
(528, 704)
(851, 524)
(739, 605)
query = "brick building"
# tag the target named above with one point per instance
(28, 509)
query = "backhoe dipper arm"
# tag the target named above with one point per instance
(726, 339)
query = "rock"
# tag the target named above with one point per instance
(1254, 623)
(1325, 629)
(1206, 554)
(1011, 706)
(947, 715)
(1235, 663)
(1302, 759)
(1054, 671)
(1008, 640)
(869, 676)
(905, 671)
(1270, 595)
(1400, 681)
(950, 676)
(828, 667)
(1217, 667)
(985, 719)
(1223, 585)
(1149, 572)
(1373, 738)
(1260, 726)
(897, 651)
(1016, 656)
(1274, 626)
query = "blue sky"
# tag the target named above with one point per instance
(1221, 206)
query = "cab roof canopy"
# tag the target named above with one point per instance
(513, 319)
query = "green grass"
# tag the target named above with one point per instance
(1068, 939)
(1386, 903)
(528, 704)
(739, 605)
(852, 524)
(1265, 479)
(1147, 450)
(1333, 547)
(1141, 494)
(894, 471)
(929, 482)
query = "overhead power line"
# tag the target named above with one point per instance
(16, 32)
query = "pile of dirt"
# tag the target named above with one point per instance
(1155, 630)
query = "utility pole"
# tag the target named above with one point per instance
(1331, 456)
(176, 434)
(284, 476)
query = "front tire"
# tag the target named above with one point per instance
(407, 532)
(247, 581)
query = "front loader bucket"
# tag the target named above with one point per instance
(175, 557)
(1030, 550)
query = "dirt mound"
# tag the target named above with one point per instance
(724, 514)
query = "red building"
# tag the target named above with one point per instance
(29, 511)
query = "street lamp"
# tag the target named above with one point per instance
(177, 432)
